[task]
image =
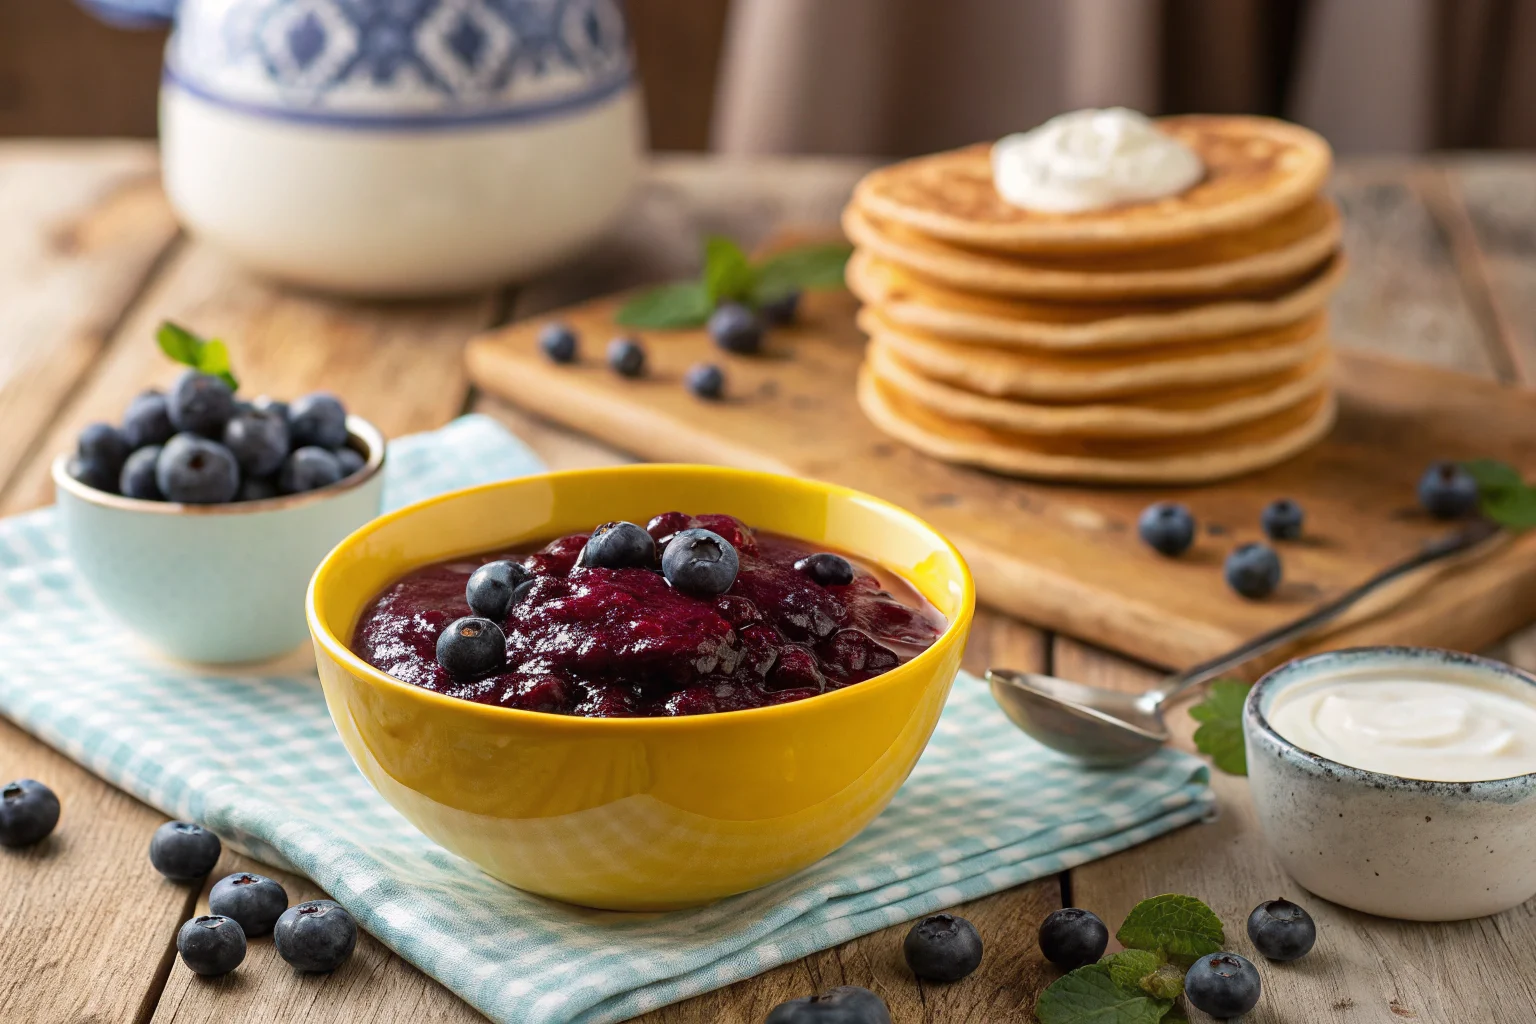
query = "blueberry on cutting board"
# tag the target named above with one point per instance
(29, 811)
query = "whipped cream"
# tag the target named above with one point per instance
(1090, 160)
(1439, 730)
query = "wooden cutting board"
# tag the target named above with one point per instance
(1067, 557)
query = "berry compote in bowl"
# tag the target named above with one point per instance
(706, 698)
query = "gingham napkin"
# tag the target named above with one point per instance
(257, 760)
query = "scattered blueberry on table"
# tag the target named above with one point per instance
(254, 902)
(211, 945)
(781, 311)
(846, 1004)
(1448, 491)
(1167, 528)
(1253, 570)
(1281, 930)
(1224, 985)
(626, 357)
(705, 380)
(735, 328)
(1072, 937)
(183, 851)
(316, 936)
(942, 947)
(29, 811)
(558, 342)
(1282, 519)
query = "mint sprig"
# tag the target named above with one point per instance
(1091, 995)
(207, 355)
(729, 276)
(1181, 928)
(1503, 495)
(1221, 731)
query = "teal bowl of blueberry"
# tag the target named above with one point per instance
(197, 521)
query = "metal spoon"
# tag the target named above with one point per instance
(1104, 727)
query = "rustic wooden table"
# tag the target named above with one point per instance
(1444, 270)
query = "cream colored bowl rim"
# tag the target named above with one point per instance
(334, 648)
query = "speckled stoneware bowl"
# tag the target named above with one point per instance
(1387, 845)
(215, 583)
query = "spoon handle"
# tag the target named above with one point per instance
(1442, 547)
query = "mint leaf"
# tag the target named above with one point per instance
(1514, 509)
(1221, 735)
(1493, 476)
(727, 274)
(1128, 967)
(1180, 927)
(1167, 982)
(681, 304)
(806, 266)
(1090, 995)
(211, 357)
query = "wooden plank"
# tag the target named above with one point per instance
(1498, 194)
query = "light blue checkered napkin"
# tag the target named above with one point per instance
(257, 760)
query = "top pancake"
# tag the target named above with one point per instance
(1256, 169)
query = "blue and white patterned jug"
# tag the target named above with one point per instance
(395, 146)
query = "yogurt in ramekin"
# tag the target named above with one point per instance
(1399, 781)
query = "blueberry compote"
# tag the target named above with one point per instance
(619, 642)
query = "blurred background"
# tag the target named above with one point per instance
(895, 77)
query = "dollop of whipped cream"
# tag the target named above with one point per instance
(1090, 160)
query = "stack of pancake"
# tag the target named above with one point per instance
(1172, 341)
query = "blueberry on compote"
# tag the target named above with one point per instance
(618, 546)
(471, 647)
(827, 569)
(491, 587)
(700, 563)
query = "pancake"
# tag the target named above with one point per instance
(908, 300)
(1275, 252)
(1257, 168)
(1167, 414)
(1054, 377)
(1199, 459)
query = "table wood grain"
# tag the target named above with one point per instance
(1444, 270)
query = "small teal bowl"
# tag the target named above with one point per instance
(215, 583)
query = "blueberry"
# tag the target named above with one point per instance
(148, 420)
(826, 569)
(1448, 491)
(471, 647)
(104, 444)
(1071, 938)
(317, 419)
(700, 563)
(197, 471)
(521, 593)
(259, 441)
(706, 380)
(1282, 519)
(626, 357)
(846, 1004)
(351, 460)
(91, 473)
(558, 342)
(1253, 570)
(29, 811)
(308, 469)
(1167, 528)
(780, 310)
(490, 589)
(200, 403)
(211, 945)
(942, 948)
(736, 328)
(266, 403)
(254, 902)
(137, 479)
(1224, 985)
(1281, 930)
(618, 546)
(315, 936)
(184, 852)
(257, 488)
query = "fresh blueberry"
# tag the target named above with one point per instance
(1224, 985)
(558, 342)
(471, 647)
(1282, 519)
(257, 488)
(942, 948)
(1281, 930)
(706, 380)
(308, 469)
(846, 1004)
(626, 357)
(781, 310)
(351, 460)
(490, 589)
(521, 593)
(618, 546)
(1071, 938)
(700, 563)
(211, 945)
(1448, 491)
(148, 420)
(200, 403)
(1167, 528)
(826, 569)
(91, 473)
(254, 902)
(315, 936)
(1253, 570)
(259, 441)
(105, 445)
(138, 477)
(317, 419)
(266, 403)
(197, 471)
(184, 852)
(736, 328)
(29, 811)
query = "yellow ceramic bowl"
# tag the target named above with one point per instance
(637, 813)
